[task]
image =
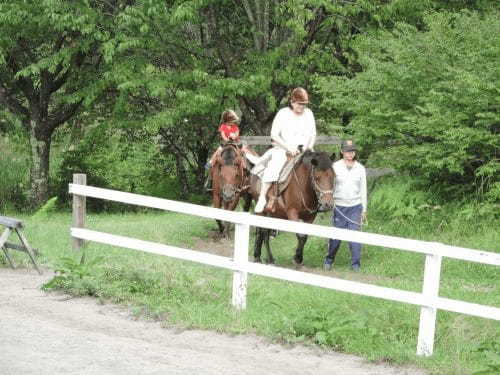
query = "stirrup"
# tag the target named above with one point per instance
(271, 204)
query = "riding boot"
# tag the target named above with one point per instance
(208, 181)
(261, 203)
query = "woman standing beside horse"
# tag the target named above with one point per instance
(293, 131)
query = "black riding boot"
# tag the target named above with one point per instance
(208, 182)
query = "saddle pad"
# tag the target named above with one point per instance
(285, 174)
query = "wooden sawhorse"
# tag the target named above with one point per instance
(15, 225)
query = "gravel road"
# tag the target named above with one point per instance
(50, 333)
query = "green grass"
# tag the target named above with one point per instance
(186, 294)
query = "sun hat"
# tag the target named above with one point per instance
(348, 145)
(299, 95)
(230, 116)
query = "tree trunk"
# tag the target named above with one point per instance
(39, 172)
(182, 175)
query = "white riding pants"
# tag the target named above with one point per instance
(275, 165)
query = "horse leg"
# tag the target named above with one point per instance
(221, 226)
(248, 201)
(217, 204)
(270, 258)
(293, 214)
(229, 206)
(299, 252)
(258, 245)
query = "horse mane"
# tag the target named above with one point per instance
(322, 160)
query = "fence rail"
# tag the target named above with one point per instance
(263, 140)
(429, 299)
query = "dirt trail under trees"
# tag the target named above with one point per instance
(51, 333)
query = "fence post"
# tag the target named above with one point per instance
(427, 326)
(241, 243)
(79, 209)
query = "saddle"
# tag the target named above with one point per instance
(278, 187)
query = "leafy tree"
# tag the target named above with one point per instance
(429, 100)
(178, 65)
(51, 68)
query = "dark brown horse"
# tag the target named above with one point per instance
(310, 191)
(230, 181)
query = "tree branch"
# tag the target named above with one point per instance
(62, 114)
(13, 104)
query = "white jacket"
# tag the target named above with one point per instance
(290, 130)
(350, 185)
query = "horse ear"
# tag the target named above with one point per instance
(333, 156)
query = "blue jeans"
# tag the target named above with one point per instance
(345, 218)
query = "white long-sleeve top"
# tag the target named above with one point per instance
(290, 130)
(350, 185)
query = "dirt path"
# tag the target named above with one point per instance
(48, 333)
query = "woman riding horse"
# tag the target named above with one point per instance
(292, 127)
(309, 191)
(311, 186)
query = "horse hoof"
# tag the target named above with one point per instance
(257, 260)
(297, 264)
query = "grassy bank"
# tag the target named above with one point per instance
(189, 295)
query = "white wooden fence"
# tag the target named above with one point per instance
(429, 299)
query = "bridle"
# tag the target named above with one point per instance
(317, 190)
(236, 188)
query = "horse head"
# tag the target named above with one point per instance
(322, 178)
(231, 166)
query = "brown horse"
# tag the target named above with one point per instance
(310, 191)
(230, 181)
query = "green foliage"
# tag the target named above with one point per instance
(14, 171)
(121, 159)
(75, 274)
(491, 350)
(432, 96)
(401, 199)
(48, 208)
(326, 329)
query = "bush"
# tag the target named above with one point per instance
(116, 159)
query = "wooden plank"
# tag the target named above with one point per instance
(3, 240)
(4, 236)
(7, 256)
(10, 222)
(28, 248)
(265, 140)
(427, 325)
(79, 209)
(13, 246)
(241, 241)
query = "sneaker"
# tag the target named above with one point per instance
(355, 268)
(327, 266)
